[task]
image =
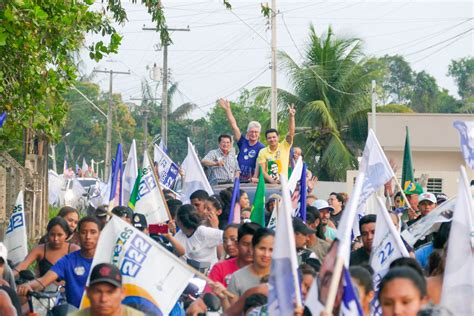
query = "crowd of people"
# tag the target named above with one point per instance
(236, 257)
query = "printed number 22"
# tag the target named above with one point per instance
(386, 252)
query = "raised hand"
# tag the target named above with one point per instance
(225, 104)
(291, 109)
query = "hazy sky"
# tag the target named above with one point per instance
(226, 51)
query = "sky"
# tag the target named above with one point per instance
(226, 51)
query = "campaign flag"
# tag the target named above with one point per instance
(195, 178)
(162, 146)
(150, 288)
(258, 206)
(458, 280)
(284, 289)
(3, 117)
(234, 215)
(312, 299)
(350, 305)
(77, 168)
(429, 223)
(466, 131)
(167, 170)
(130, 173)
(65, 172)
(115, 198)
(407, 169)
(386, 247)
(149, 200)
(15, 237)
(301, 210)
(272, 222)
(136, 189)
(295, 175)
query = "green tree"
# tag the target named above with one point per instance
(398, 80)
(330, 88)
(462, 71)
(425, 93)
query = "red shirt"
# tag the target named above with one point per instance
(221, 272)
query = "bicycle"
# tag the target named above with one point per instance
(49, 303)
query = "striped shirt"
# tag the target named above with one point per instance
(226, 173)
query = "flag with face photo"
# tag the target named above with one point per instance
(15, 236)
(466, 131)
(149, 200)
(194, 176)
(130, 173)
(168, 171)
(284, 290)
(458, 281)
(386, 247)
(152, 277)
(115, 198)
(377, 172)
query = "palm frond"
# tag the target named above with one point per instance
(181, 111)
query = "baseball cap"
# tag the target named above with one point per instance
(106, 273)
(3, 252)
(100, 212)
(427, 196)
(300, 227)
(413, 188)
(441, 198)
(121, 211)
(139, 221)
(322, 204)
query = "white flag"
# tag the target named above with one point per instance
(130, 173)
(84, 165)
(284, 289)
(458, 282)
(295, 175)
(377, 172)
(15, 237)
(194, 176)
(466, 131)
(168, 171)
(153, 278)
(374, 171)
(386, 247)
(312, 299)
(150, 200)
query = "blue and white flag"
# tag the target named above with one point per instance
(377, 172)
(301, 210)
(466, 130)
(162, 146)
(3, 117)
(234, 214)
(150, 201)
(115, 198)
(130, 173)
(15, 237)
(152, 277)
(350, 305)
(458, 281)
(284, 290)
(168, 171)
(85, 166)
(386, 247)
(194, 176)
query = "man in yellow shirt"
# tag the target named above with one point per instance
(274, 159)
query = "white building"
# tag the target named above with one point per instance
(435, 147)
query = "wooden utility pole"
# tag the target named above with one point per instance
(164, 91)
(108, 146)
(145, 110)
(274, 91)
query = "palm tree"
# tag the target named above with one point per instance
(331, 93)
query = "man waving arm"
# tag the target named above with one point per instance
(225, 104)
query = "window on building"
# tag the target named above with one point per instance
(435, 185)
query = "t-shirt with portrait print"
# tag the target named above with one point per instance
(276, 161)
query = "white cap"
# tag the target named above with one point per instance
(3, 252)
(322, 204)
(427, 196)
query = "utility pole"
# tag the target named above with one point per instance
(274, 113)
(145, 110)
(108, 145)
(164, 91)
(374, 100)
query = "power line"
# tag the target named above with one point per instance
(438, 43)
(438, 50)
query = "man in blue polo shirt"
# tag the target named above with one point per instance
(72, 268)
(249, 145)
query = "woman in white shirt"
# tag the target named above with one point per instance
(200, 242)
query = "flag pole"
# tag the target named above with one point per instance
(155, 176)
(402, 192)
(333, 287)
